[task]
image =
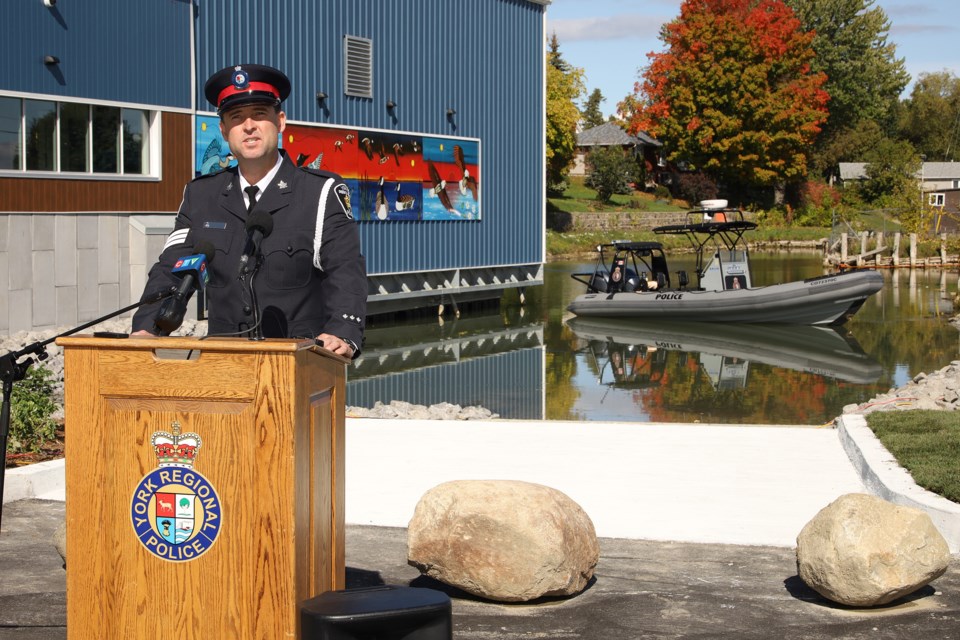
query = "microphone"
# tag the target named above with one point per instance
(192, 271)
(259, 226)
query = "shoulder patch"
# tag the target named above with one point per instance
(342, 192)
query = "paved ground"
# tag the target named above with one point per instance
(697, 527)
(643, 589)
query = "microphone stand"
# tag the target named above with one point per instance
(12, 369)
(247, 276)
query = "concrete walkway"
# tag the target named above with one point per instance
(687, 483)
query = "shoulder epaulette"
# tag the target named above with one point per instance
(321, 173)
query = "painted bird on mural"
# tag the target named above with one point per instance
(382, 208)
(404, 200)
(439, 187)
(366, 144)
(467, 182)
(212, 160)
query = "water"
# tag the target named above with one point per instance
(535, 362)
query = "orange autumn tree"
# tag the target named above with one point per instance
(733, 93)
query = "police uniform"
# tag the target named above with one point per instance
(313, 276)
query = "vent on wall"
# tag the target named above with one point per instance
(358, 66)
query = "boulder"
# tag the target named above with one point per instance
(863, 551)
(503, 540)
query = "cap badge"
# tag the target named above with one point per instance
(240, 79)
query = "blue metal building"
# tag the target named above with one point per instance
(100, 105)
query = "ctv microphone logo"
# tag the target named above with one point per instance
(175, 511)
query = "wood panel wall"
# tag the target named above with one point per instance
(55, 195)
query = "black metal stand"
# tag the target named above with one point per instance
(247, 275)
(12, 370)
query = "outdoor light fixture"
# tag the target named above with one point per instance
(49, 3)
(51, 60)
(451, 112)
(391, 105)
(321, 97)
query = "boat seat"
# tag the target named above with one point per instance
(660, 272)
(618, 273)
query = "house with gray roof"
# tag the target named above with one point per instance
(610, 134)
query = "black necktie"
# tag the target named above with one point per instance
(251, 192)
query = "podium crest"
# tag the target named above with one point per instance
(175, 511)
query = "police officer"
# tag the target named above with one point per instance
(312, 282)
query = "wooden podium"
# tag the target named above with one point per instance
(204, 485)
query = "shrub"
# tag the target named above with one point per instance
(662, 193)
(696, 186)
(31, 411)
(817, 203)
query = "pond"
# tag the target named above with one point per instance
(535, 361)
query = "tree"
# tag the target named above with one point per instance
(612, 171)
(564, 88)
(931, 116)
(592, 116)
(733, 93)
(864, 76)
(892, 169)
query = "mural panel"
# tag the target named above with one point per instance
(393, 176)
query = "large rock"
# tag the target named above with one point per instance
(863, 551)
(503, 540)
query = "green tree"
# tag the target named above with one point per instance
(612, 171)
(892, 170)
(592, 116)
(931, 116)
(564, 88)
(733, 94)
(864, 76)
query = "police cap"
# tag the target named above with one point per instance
(246, 84)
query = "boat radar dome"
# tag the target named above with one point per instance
(713, 205)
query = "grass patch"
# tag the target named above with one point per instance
(579, 197)
(925, 443)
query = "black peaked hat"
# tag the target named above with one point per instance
(246, 84)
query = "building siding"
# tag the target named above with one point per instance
(114, 50)
(483, 59)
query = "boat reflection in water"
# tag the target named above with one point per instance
(677, 360)
(465, 362)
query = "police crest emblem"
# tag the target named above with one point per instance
(175, 511)
(343, 195)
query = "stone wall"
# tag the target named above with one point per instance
(612, 221)
(63, 270)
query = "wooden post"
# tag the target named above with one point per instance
(896, 249)
(877, 257)
(843, 248)
(943, 249)
(913, 250)
(863, 248)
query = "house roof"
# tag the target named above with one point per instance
(931, 171)
(610, 134)
(853, 170)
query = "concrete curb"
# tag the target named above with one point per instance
(42, 481)
(884, 477)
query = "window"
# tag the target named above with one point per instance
(936, 199)
(358, 66)
(75, 138)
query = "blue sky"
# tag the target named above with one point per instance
(610, 39)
